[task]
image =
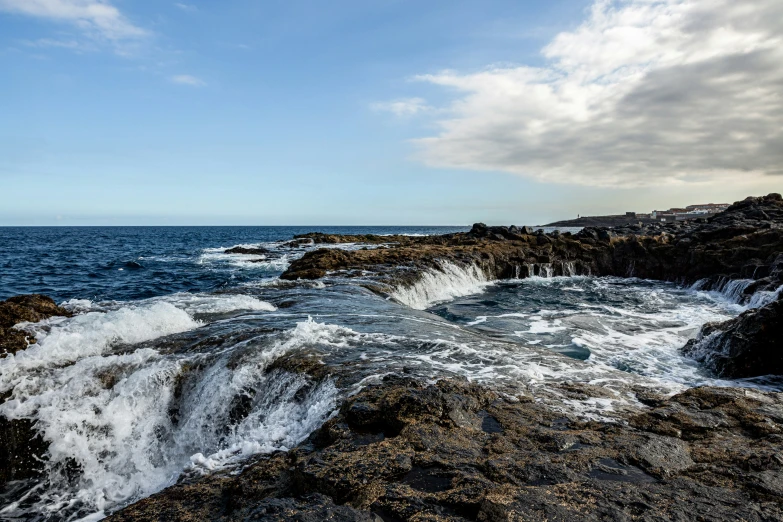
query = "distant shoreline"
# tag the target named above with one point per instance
(601, 221)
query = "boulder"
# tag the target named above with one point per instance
(750, 345)
(24, 309)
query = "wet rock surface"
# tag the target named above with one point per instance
(21, 309)
(403, 450)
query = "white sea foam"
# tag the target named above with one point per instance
(543, 326)
(442, 284)
(63, 341)
(101, 326)
(216, 304)
(213, 256)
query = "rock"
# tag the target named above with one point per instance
(21, 451)
(406, 451)
(21, 448)
(20, 309)
(247, 250)
(750, 345)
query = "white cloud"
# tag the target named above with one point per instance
(644, 92)
(402, 107)
(186, 79)
(97, 17)
(187, 7)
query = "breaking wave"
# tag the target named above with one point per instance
(121, 427)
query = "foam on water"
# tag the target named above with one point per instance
(63, 341)
(442, 284)
(635, 326)
(191, 303)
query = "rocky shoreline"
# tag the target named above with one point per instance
(408, 450)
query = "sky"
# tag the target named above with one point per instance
(393, 112)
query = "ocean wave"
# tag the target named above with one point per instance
(62, 341)
(101, 326)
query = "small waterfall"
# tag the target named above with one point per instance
(701, 284)
(442, 284)
(547, 270)
(531, 270)
(764, 297)
(132, 422)
(568, 268)
(517, 270)
(734, 289)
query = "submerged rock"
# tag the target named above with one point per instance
(403, 450)
(247, 250)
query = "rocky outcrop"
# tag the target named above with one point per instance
(20, 309)
(246, 250)
(750, 345)
(20, 445)
(601, 221)
(747, 238)
(21, 451)
(453, 451)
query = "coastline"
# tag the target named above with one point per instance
(461, 451)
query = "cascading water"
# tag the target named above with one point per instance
(446, 282)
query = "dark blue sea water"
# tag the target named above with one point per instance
(124, 263)
(167, 321)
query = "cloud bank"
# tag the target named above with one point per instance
(97, 17)
(644, 92)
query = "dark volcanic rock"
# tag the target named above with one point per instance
(747, 346)
(20, 309)
(21, 447)
(455, 451)
(21, 451)
(247, 250)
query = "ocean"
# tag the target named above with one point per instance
(185, 360)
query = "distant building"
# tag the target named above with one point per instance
(689, 212)
(630, 214)
(709, 208)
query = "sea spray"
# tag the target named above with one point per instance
(121, 426)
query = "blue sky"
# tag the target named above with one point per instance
(356, 112)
